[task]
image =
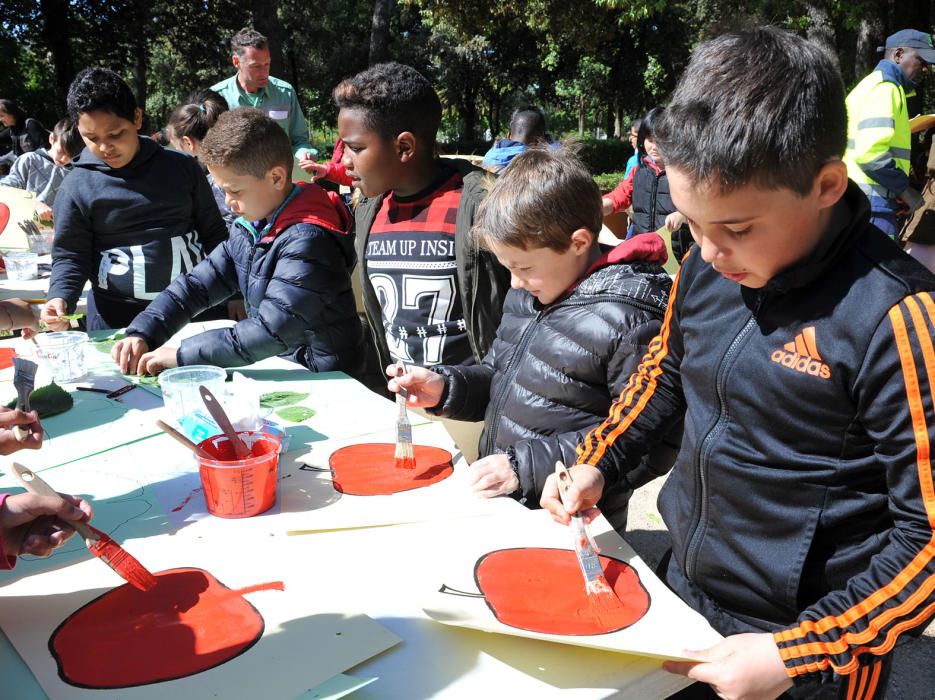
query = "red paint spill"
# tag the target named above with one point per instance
(188, 623)
(370, 469)
(542, 590)
(186, 501)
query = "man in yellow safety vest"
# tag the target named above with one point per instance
(878, 136)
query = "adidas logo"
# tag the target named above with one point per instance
(802, 355)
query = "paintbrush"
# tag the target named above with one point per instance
(404, 457)
(600, 593)
(24, 379)
(173, 433)
(97, 542)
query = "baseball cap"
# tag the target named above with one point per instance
(912, 39)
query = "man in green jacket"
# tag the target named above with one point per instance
(253, 86)
(878, 135)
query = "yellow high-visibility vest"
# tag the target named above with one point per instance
(878, 139)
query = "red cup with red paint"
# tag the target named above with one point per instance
(239, 488)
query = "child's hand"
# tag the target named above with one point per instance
(607, 206)
(743, 666)
(236, 310)
(43, 212)
(675, 220)
(159, 359)
(425, 387)
(493, 476)
(583, 495)
(52, 314)
(8, 442)
(313, 168)
(21, 314)
(32, 524)
(127, 353)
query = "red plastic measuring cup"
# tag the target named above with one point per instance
(239, 488)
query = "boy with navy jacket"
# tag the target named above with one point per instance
(290, 254)
(130, 217)
(798, 347)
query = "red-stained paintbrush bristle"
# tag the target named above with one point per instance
(121, 561)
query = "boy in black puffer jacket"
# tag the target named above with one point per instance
(575, 323)
(290, 254)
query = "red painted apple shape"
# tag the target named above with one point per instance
(188, 623)
(369, 469)
(542, 590)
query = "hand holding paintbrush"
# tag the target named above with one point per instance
(97, 542)
(34, 524)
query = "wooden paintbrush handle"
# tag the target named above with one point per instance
(34, 484)
(172, 432)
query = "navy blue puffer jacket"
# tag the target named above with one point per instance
(294, 275)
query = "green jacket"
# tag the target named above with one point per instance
(878, 135)
(277, 99)
(482, 281)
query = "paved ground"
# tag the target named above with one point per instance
(914, 670)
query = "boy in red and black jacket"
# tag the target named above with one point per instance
(798, 347)
(430, 294)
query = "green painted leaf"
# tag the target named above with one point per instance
(275, 399)
(295, 414)
(49, 400)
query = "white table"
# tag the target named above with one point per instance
(434, 660)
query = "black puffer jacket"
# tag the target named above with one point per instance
(296, 286)
(554, 371)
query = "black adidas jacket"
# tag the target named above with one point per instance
(802, 501)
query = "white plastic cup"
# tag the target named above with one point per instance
(21, 266)
(63, 354)
(180, 391)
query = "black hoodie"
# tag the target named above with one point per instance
(131, 230)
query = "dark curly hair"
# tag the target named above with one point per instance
(100, 90)
(395, 98)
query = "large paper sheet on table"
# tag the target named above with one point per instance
(519, 576)
(308, 501)
(292, 639)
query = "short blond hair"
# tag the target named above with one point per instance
(544, 196)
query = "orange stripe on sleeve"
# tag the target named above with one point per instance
(874, 681)
(644, 379)
(924, 470)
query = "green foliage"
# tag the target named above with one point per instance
(606, 156)
(608, 181)
(295, 414)
(590, 65)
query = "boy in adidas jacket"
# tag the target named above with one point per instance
(798, 347)
(290, 253)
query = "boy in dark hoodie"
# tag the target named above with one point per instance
(575, 324)
(130, 217)
(290, 253)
